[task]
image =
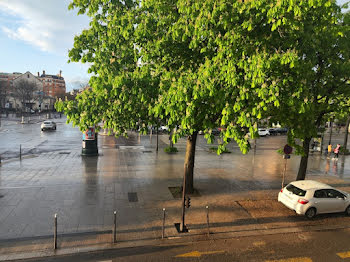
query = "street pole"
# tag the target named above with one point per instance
(157, 140)
(115, 227)
(183, 227)
(284, 172)
(163, 226)
(55, 233)
(207, 208)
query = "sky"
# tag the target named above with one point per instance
(35, 35)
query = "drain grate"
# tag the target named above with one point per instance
(132, 196)
(64, 153)
(1, 196)
(147, 151)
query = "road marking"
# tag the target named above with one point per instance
(259, 243)
(199, 254)
(293, 259)
(344, 254)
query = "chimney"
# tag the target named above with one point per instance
(60, 73)
(38, 74)
(43, 72)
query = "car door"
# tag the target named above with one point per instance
(335, 201)
(321, 201)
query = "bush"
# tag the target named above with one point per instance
(170, 149)
(344, 151)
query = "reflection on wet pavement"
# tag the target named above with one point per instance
(85, 191)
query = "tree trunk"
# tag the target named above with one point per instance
(346, 133)
(330, 135)
(304, 159)
(189, 161)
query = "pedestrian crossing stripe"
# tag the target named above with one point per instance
(293, 259)
(344, 254)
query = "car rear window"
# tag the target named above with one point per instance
(47, 122)
(296, 190)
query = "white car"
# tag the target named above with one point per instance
(48, 125)
(309, 198)
(263, 132)
(163, 129)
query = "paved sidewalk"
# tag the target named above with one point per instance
(131, 178)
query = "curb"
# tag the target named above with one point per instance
(182, 239)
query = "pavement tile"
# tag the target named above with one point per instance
(84, 192)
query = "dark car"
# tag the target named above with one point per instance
(273, 131)
(282, 131)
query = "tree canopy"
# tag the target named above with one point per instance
(202, 64)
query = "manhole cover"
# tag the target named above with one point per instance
(64, 153)
(132, 196)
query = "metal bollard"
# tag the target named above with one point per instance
(115, 228)
(163, 227)
(55, 234)
(208, 220)
(20, 152)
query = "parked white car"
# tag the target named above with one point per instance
(309, 198)
(163, 129)
(48, 125)
(263, 132)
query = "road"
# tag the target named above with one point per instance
(33, 141)
(320, 246)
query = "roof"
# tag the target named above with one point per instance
(52, 76)
(310, 184)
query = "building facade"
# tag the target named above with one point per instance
(47, 89)
(53, 85)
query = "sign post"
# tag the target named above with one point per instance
(287, 151)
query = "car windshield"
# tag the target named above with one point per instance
(47, 122)
(295, 190)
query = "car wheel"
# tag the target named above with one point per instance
(310, 213)
(42, 129)
(347, 211)
(54, 128)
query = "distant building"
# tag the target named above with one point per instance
(53, 85)
(7, 79)
(40, 100)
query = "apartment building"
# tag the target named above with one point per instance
(53, 85)
(49, 87)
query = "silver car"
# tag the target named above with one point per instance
(309, 198)
(48, 125)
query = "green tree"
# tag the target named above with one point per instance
(196, 65)
(317, 87)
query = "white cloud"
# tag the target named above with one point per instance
(48, 25)
(76, 82)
